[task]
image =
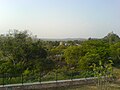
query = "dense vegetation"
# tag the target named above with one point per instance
(24, 54)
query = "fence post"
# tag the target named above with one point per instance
(40, 78)
(22, 78)
(71, 72)
(56, 76)
(3, 79)
(71, 75)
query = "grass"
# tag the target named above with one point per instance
(116, 72)
(113, 86)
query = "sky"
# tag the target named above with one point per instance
(61, 18)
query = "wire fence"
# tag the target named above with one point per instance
(57, 76)
(6, 78)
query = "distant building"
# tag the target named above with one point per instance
(61, 43)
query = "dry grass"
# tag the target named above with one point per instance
(116, 72)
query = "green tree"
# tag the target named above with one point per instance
(21, 52)
(115, 53)
(86, 61)
(72, 55)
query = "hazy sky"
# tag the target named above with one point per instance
(61, 18)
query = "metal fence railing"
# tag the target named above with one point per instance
(6, 78)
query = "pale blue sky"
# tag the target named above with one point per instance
(61, 18)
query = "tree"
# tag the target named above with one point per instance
(72, 55)
(111, 38)
(87, 60)
(21, 53)
(115, 53)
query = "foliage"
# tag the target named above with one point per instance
(72, 55)
(115, 52)
(104, 74)
(22, 53)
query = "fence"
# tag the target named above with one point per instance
(6, 78)
(51, 80)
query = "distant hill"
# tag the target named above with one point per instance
(64, 39)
